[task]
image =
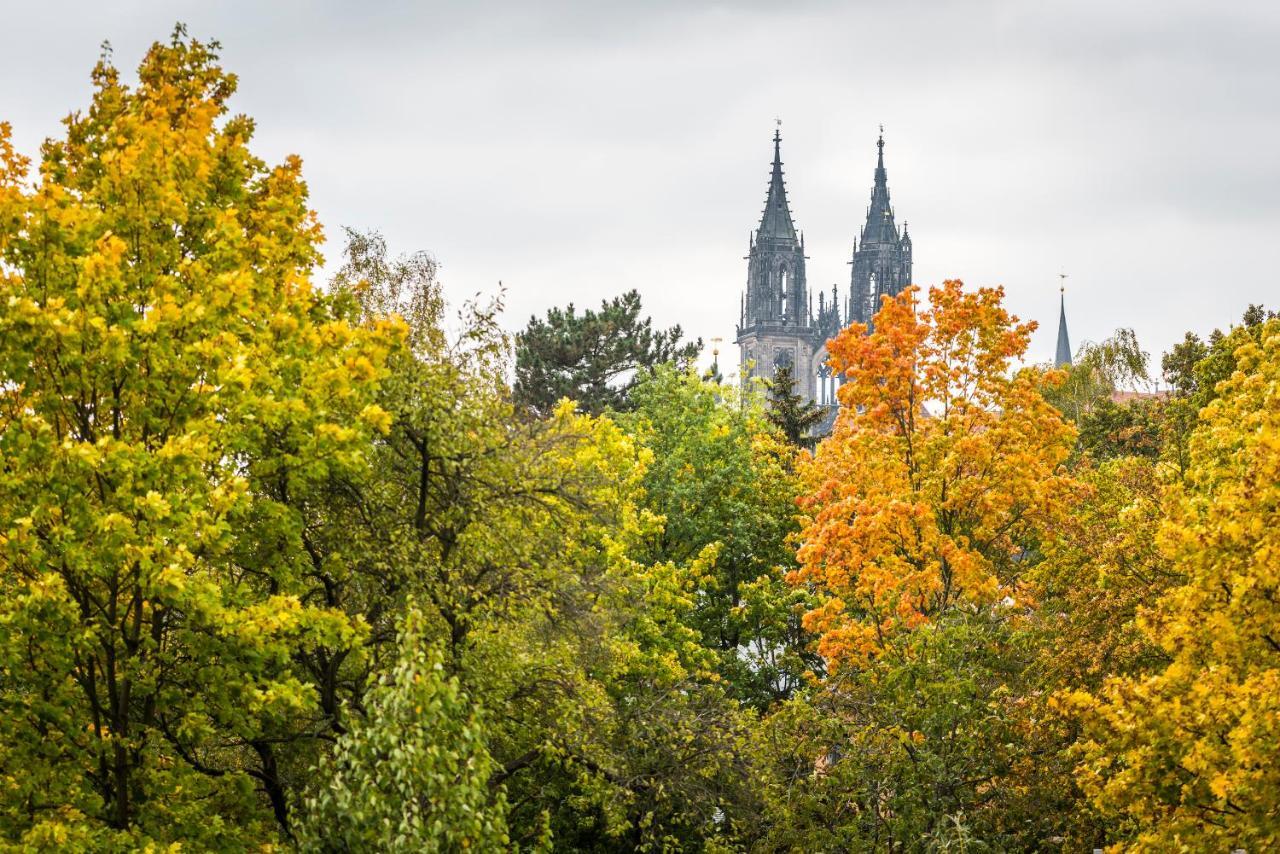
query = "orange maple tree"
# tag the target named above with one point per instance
(941, 472)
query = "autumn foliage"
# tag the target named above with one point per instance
(942, 471)
(171, 383)
(288, 565)
(1191, 753)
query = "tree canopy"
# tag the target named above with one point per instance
(290, 566)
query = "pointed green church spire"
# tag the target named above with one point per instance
(1062, 358)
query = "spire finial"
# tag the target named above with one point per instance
(1062, 283)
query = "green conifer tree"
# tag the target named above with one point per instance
(594, 358)
(790, 412)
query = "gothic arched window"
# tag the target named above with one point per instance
(820, 383)
(782, 292)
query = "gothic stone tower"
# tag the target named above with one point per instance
(881, 259)
(774, 325)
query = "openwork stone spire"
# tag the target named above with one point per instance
(879, 227)
(882, 259)
(776, 325)
(776, 223)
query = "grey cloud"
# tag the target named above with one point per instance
(576, 149)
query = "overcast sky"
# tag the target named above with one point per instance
(575, 150)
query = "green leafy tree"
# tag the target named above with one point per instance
(1112, 430)
(789, 412)
(414, 774)
(166, 371)
(722, 477)
(520, 540)
(910, 754)
(1098, 371)
(1100, 570)
(1194, 368)
(1179, 364)
(594, 358)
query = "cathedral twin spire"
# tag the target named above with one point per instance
(776, 223)
(776, 324)
(882, 258)
(776, 294)
(879, 227)
(776, 275)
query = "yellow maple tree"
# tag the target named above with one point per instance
(173, 390)
(1191, 755)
